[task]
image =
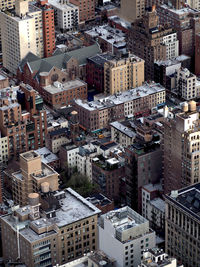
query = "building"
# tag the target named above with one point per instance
(48, 157)
(180, 148)
(48, 27)
(56, 138)
(109, 39)
(4, 81)
(193, 4)
(122, 74)
(197, 54)
(61, 94)
(108, 174)
(48, 230)
(101, 202)
(99, 113)
(157, 257)
(60, 67)
(143, 166)
(86, 9)
(121, 133)
(185, 21)
(95, 71)
(18, 35)
(151, 42)
(33, 172)
(182, 225)
(3, 149)
(123, 235)
(132, 9)
(66, 14)
(186, 84)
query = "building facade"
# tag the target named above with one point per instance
(182, 224)
(123, 235)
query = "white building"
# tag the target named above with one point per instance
(18, 34)
(66, 14)
(172, 46)
(123, 235)
(186, 84)
(157, 257)
(122, 134)
(3, 149)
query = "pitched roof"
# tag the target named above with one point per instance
(58, 60)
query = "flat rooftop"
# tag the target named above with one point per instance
(64, 7)
(100, 59)
(123, 129)
(120, 98)
(188, 199)
(46, 155)
(58, 87)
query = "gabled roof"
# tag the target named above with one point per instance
(58, 60)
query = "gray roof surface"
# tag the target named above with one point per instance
(59, 60)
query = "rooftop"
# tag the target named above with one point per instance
(46, 155)
(188, 199)
(124, 129)
(158, 203)
(100, 59)
(63, 5)
(58, 87)
(120, 98)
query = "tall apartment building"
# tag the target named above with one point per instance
(23, 122)
(86, 9)
(47, 27)
(182, 225)
(18, 35)
(197, 54)
(33, 172)
(122, 74)
(157, 257)
(123, 235)
(185, 21)
(66, 14)
(57, 228)
(3, 148)
(132, 9)
(181, 148)
(151, 42)
(99, 113)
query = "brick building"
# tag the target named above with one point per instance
(186, 22)
(151, 42)
(99, 113)
(4, 81)
(60, 94)
(108, 174)
(86, 9)
(60, 67)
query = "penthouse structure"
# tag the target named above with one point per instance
(150, 41)
(99, 113)
(33, 172)
(157, 257)
(58, 228)
(181, 148)
(123, 235)
(182, 224)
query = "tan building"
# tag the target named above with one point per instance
(132, 9)
(4, 81)
(123, 74)
(31, 175)
(182, 225)
(55, 229)
(18, 35)
(181, 148)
